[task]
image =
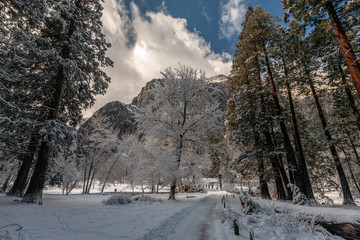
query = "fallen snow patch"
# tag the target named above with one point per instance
(334, 215)
(118, 199)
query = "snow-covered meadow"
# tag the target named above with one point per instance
(86, 217)
(191, 216)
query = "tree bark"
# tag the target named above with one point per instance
(23, 174)
(348, 52)
(302, 168)
(350, 96)
(348, 200)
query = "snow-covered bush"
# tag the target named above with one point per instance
(298, 197)
(143, 198)
(118, 199)
(247, 203)
(324, 200)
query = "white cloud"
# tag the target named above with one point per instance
(205, 14)
(232, 15)
(160, 41)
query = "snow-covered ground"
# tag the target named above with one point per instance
(86, 217)
(192, 216)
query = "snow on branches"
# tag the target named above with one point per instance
(180, 120)
(298, 197)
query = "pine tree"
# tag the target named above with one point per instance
(341, 15)
(286, 57)
(21, 80)
(71, 50)
(307, 64)
(251, 97)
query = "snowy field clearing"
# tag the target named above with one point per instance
(192, 216)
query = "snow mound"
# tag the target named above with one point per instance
(118, 199)
(266, 223)
(334, 215)
(143, 198)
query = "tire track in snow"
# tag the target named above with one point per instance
(196, 222)
(170, 224)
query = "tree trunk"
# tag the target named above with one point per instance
(350, 96)
(23, 174)
(6, 183)
(220, 181)
(350, 170)
(84, 180)
(107, 176)
(89, 176)
(353, 147)
(284, 177)
(280, 191)
(172, 189)
(302, 168)
(348, 200)
(348, 52)
(288, 147)
(37, 182)
(91, 181)
(179, 153)
(264, 189)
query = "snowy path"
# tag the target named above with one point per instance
(193, 223)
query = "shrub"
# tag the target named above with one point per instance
(142, 198)
(118, 199)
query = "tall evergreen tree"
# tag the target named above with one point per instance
(307, 63)
(340, 13)
(21, 81)
(251, 64)
(67, 50)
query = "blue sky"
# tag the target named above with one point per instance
(204, 16)
(148, 36)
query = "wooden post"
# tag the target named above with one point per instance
(236, 227)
